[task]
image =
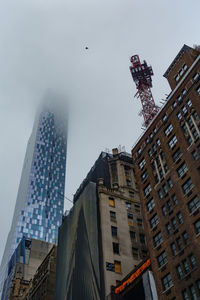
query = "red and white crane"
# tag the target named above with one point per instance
(141, 74)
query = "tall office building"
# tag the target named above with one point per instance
(40, 200)
(102, 238)
(167, 169)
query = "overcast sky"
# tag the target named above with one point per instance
(43, 45)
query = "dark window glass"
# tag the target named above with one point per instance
(157, 239)
(167, 282)
(162, 259)
(114, 230)
(116, 248)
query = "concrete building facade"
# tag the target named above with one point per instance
(42, 286)
(23, 265)
(104, 229)
(167, 169)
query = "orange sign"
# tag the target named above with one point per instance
(135, 275)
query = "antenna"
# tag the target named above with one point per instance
(141, 74)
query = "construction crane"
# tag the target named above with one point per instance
(141, 74)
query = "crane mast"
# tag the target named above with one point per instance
(141, 74)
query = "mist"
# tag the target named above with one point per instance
(43, 46)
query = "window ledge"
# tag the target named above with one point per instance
(194, 212)
(167, 290)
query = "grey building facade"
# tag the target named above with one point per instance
(102, 238)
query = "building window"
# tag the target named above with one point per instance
(168, 130)
(192, 261)
(131, 194)
(169, 205)
(168, 228)
(157, 239)
(144, 175)
(174, 104)
(197, 226)
(158, 142)
(150, 205)
(111, 202)
(164, 118)
(198, 90)
(179, 98)
(187, 186)
(142, 238)
(193, 292)
(177, 77)
(185, 266)
(193, 204)
(198, 285)
(139, 222)
(185, 67)
(189, 103)
(135, 252)
(195, 116)
(130, 216)
(118, 268)
(128, 182)
(160, 194)
(173, 249)
(164, 210)
(195, 155)
(128, 205)
(142, 163)
(179, 271)
(150, 153)
(172, 142)
(116, 248)
(174, 225)
(132, 235)
(189, 140)
(114, 231)
(179, 116)
(147, 190)
(167, 282)
(182, 169)
(154, 221)
(139, 151)
(185, 295)
(165, 189)
(184, 110)
(184, 92)
(147, 141)
(180, 217)
(176, 155)
(162, 259)
(179, 243)
(112, 215)
(174, 199)
(196, 76)
(185, 238)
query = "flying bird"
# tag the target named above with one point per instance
(86, 48)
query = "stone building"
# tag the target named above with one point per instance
(102, 238)
(23, 265)
(167, 169)
(42, 286)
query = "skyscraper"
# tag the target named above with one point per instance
(40, 200)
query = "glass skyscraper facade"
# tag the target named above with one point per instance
(40, 200)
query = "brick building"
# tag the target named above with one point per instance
(167, 169)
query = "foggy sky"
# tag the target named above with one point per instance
(43, 46)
